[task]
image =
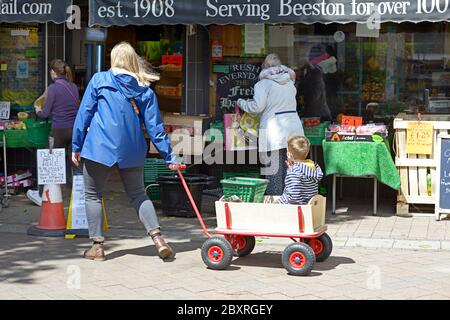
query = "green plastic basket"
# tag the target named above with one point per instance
(249, 174)
(38, 132)
(152, 169)
(17, 139)
(247, 189)
(316, 134)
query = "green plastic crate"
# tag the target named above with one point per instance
(152, 169)
(38, 131)
(17, 139)
(247, 189)
(249, 174)
(316, 134)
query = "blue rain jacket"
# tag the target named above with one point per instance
(108, 130)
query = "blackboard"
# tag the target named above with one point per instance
(237, 83)
(444, 174)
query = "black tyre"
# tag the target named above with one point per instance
(242, 245)
(298, 259)
(217, 253)
(321, 246)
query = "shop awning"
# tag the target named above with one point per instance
(154, 12)
(34, 10)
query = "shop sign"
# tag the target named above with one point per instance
(371, 12)
(236, 84)
(34, 11)
(51, 166)
(419, 137)
(352, 121)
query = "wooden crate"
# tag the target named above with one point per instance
(414, 168)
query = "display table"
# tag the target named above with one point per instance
(362, 160)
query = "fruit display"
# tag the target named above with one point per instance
(311, 122)
(19, 98)
(16, 126)
(22, 116)
(373, 91)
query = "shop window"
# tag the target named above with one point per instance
(22, 71)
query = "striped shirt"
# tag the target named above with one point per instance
(301, 183)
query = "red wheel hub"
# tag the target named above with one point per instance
(316, 245)
(297, 259)
(215, 253)
(237, 242)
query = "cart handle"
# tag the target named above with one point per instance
(191, 199)
(175, 167)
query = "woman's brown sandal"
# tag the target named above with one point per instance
(164, 250)
(96, 252)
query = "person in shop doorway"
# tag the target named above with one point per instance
(274, 101)
(311, 86)
(330, 77)
(113, 107)
(61, 105)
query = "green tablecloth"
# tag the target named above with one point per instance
(361, 159)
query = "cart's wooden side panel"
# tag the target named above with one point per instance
(271, 218)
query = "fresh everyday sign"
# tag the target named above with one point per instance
(141, 12)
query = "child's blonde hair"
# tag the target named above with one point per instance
(125, 57)
(299, 147)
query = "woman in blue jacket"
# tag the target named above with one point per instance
(108, 133)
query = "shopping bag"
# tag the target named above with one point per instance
(235, 137)
(249, 124)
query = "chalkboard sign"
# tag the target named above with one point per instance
(443, 180)
(237, 83)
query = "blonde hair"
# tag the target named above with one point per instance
(272, 60)
(125, 57)
(299, 147)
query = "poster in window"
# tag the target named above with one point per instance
(22, 70)
(254, 37)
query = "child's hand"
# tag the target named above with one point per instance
(289, 163)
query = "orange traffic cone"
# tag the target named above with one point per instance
(52, 222)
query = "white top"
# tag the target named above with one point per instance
(274, 101)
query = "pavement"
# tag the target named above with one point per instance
(374, 257)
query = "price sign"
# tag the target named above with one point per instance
(419, 137)
(352, 121)
(5, 109)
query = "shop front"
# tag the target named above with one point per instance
(30, 36)
(379, 61)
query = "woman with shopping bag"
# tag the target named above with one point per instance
(275, 103)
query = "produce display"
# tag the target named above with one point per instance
(20, 97)
(373, 91)
(16, 125)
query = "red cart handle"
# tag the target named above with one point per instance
(175, 167)
(191, 199)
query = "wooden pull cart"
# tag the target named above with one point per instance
(241, 222)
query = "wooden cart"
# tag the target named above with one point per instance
(241, 222)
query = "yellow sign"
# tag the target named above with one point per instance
(419, 137)
(3, 67)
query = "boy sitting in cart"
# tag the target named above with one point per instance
(303, 175)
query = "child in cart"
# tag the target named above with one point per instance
(303, 175)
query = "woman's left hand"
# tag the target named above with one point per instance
(76, 158)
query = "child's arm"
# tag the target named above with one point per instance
(312, 174)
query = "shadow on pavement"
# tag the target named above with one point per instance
(150, 250)
(272, 259)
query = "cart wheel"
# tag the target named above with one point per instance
(298, 259)
(242, 245)
(322, 247)
(217, 253)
